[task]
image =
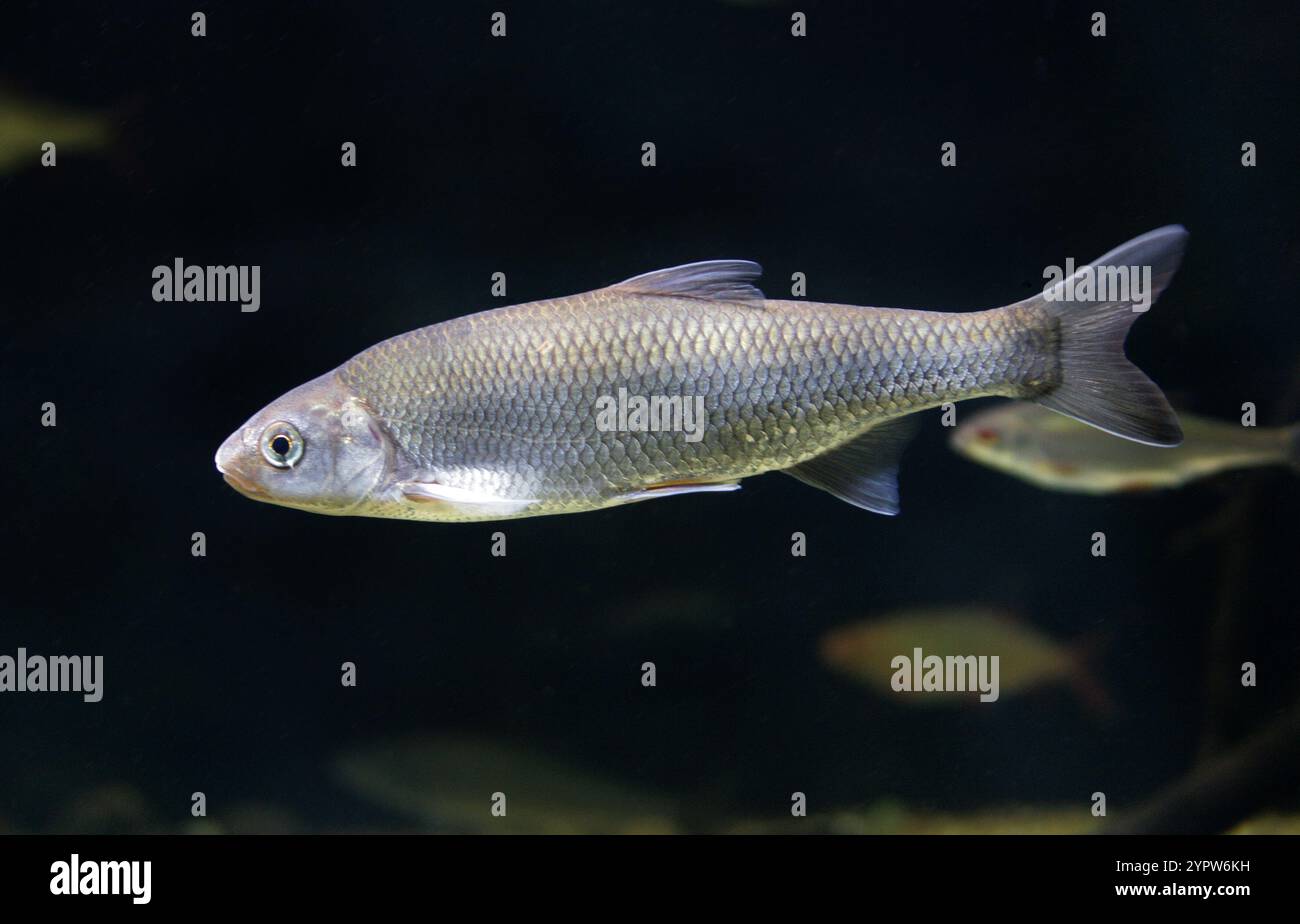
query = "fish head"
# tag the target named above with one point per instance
(316, 448)
(847, 648)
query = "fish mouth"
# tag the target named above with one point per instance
(229, 463)
(243, 487)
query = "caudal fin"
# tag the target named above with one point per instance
(1099, 386)
(1292, 437)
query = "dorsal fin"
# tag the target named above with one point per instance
(719, 280)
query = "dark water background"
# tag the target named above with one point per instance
(522, 155)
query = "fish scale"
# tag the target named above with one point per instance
(509, 396)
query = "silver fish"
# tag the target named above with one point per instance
(1061, 454)
(510, 412)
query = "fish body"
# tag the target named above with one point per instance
(1061, 454)
(25, 125)
(511, 412)
(1028, 659)
(782, 382)
(454, 782)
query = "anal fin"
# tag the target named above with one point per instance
(673, 488)
(863, 471)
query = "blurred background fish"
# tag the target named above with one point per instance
(26, 124)
(1028, 659)
(106, 808)
(895, 816)
(447, 782)
(1061, 454)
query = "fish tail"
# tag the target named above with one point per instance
(1291, 436)
(1090, 691)
(1097, 384)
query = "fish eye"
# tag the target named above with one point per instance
(282, 444)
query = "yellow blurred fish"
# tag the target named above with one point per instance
(1269, 823)
(26, 124)
(449, 782)
(1027, 659)
(1061, 454)
(892, 816)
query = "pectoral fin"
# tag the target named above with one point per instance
(432, 492)
(864, 471)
